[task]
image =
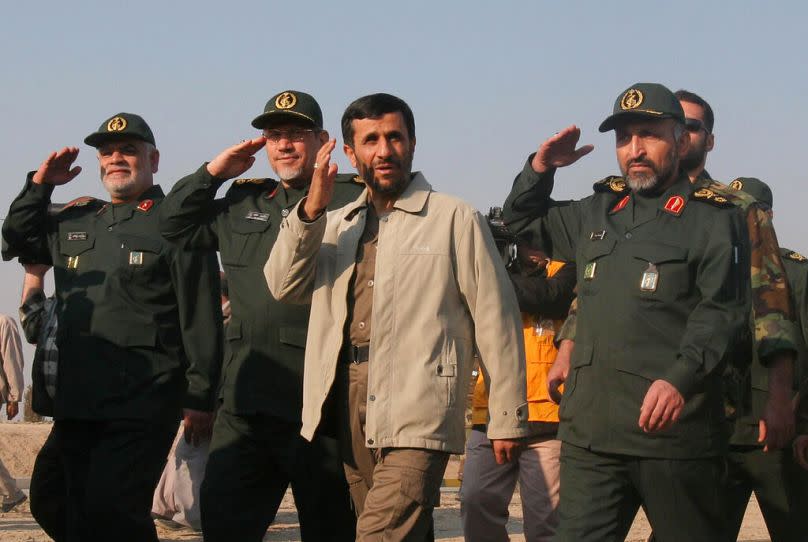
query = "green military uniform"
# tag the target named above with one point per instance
(138, 338)
(256, 449)
(657, 299)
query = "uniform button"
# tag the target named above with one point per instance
(109, 228)
(372, 397)
(440, 369)
(628, 235)
(285, 212)
(371, 283)
(361, 325)
(504, 412)
(370, 441)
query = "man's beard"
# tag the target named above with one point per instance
(394, 187)
(120, 189)
(649, 184)
(693, 159)
(292, 176)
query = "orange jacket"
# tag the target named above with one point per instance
(540, 352)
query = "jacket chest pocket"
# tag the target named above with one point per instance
(661, 271)
(139, 257)
(76, 243)
(594, 265)
(247, 232)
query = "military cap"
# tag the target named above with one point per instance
(755, 188)
(121, 126)
(290, 105)
(644, 100)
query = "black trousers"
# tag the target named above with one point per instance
(601, 493)
(110, 471)
(49, 492)
(253, 460)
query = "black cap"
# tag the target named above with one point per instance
(290, 105)
(121, 126)
(755, 188)
(644, 100)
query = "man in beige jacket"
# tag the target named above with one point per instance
(11, 388)
(405, 283)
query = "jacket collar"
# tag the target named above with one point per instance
(412, 200)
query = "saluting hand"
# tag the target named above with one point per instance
(56, 168)
(322, 182)
(559, 150)
(661, 407)
(237, 159)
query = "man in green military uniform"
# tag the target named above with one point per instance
(138, 334)
(257, 450)
(659, 306)
(779, 485)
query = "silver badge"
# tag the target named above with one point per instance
(589, 270)
(135, 258)
(650, 279)
(597, 235)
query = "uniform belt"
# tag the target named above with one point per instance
(355, 354)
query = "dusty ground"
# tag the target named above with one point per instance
(19, 444)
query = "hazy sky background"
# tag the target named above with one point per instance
(487, 82)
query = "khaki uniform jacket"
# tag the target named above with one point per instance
(11, 361)
(440, 290)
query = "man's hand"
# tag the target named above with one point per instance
(559, 150)
(506, 450)
(12, 409)
(558, 373)
(56, 169)
(322, 182)
(777, 427)
(198, 425)
(237, 159)
(661, 407)
(800, 448)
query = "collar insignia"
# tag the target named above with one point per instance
(145, 205)
(675, 205)
(620, 204)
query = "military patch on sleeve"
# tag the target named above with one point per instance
(616, 185)
(709, 196)
(796, 256)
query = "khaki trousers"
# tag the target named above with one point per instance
(394, 490)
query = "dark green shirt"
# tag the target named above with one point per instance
(657, 299)
(264, 369)
(136, 313)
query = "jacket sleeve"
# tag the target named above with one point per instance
(11, 352)
(189, 212)
(27, 226)
(775, 328)
(291, 268)
(722, 314)
(547, 296)
(524, 203)
(195, 275)
(567, 331)
(32, 315)
(483, 282)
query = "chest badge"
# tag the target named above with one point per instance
(620, 204)
(77, 236)
(255, 215)
(145, 205)
(589, 270)
(675, 205)
(650, 279)
(597, 235)
(73, 262)
(136, 257)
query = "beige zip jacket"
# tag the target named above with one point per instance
(11, 379)
(440, 291)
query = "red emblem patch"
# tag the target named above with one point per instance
(621, 204)
(145, 205)
(675, 205)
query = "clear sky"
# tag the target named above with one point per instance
(487, 81)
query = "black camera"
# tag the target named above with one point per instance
(503, 237)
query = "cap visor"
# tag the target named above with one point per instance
(98, 138)
(277, 117)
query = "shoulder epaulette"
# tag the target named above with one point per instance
(613, 183)
(736, 197)
(255, 182)
(78, 202)
(708, 195)
(796, 256)
(349, 178)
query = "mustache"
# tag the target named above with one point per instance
(640, 162)
(387, 161)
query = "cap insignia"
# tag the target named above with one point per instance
(736, 184)
(632, 99)
(116, 124)
(285, 100)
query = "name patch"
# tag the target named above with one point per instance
(77, 236)
(255, 215)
